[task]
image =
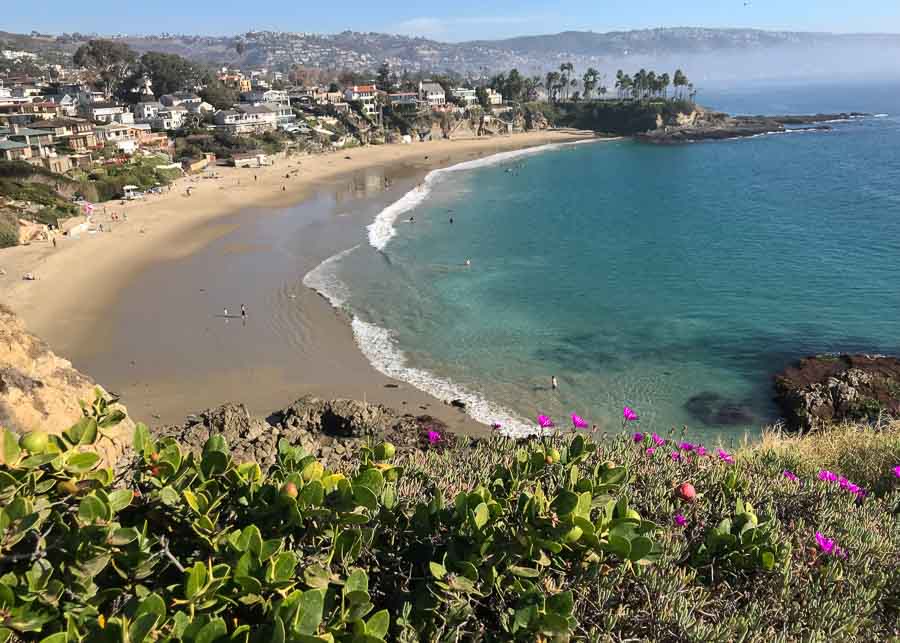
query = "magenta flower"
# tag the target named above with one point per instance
(651, 450)
(686, 446)
(579, 422)
(496, 426)
(726, 457)
(897, 471)
(639, 437)
(700, 450)
(675, 456)
(791, 476)
(629, 415)
(680, 521)
(658, 441)
(828, 546)
(827, 476)
(434, 437)
(545, 422)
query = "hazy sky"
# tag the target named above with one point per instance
(454, 21)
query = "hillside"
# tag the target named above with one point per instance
(365, 51)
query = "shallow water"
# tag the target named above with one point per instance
(674, 279)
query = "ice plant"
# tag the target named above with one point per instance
(651, 450)
(680, 521)
(545, 422)
(828, 546)
(434, 437)
(827, 476)
(639, 437)
(658, 441)
(897, 471)
(629, 415)
(578, 422)
(686, 446)
(725, 456)
(790, 475)
(675, 456)
(496, 426)
(700, 450)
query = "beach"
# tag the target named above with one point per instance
(123, 305)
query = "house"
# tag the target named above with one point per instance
(24, 113)
(87, 97)
(170, 118)
(108, 113)
(464, 95)
(66, 103)
(40, 141)
(146, 111)
(198, 165)
(14, 150)
(494, 97)
(180, 98)
(76, 134)
(266, 96)
(365, 95)
(118, 135)
(202, 108)
(404, 100)
(142, 133)
(432, 93)
(246, 119)
(250, 159)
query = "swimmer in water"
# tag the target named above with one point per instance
(468, 263)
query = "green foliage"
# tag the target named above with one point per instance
(9, 230)
(610, 117)
(555, 539)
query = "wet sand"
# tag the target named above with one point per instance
(140, 308)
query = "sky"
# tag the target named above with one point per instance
(449, 21)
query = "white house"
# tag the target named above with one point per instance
(365, 95)
(464, 95)
(169, 118)
(494, 97)
(108, 113)
(432, 93)
(180, 98)
(145, 111)
(246, 119)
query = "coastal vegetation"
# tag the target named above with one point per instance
(562, 537)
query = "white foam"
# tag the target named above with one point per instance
(880, 116)
(323, 279)
(380, 348)
(382, 229)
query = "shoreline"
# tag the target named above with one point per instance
(80, 284)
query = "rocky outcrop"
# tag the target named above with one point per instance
(328, 429)
(705, 126)
(40, 390)
(827, 389)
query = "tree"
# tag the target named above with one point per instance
(109, 60)
(564, 70)
(219, 96)
(589, 80)
(481, 95)
(679, 81)
(665, 82)
(170, 72)
(552, 84)
(384, 79)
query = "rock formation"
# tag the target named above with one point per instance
(826, 389)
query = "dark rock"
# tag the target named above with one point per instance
(459, 404)
(712, 409)
(835, 388)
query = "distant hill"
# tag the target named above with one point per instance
(364, 51)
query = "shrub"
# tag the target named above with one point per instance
(556, 539)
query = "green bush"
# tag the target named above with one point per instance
(556, 539)
(9, 230)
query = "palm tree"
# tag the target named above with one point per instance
(652, 86)
(627, 85)
(552, 84)
(620, 85)
(590, 82)
(679, 81)
(564, 70)
(665, 81)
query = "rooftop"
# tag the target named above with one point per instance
(12, 145)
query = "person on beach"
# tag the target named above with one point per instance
(225, 312)
(451, 220)
(554, 384)
(243, 312)
(54, 242)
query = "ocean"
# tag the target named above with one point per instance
(675, 280)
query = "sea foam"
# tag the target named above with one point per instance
(324, 280)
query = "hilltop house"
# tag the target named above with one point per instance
(404, 100)
(365, 95)
(40, 141)
(76, 134)
(246, 119)
(14, 150)
(180, 98)
(464, 95)
(118, 135)
(432, 93)
(493, 97)
(146, 111)
(169, 118)
(108, 113)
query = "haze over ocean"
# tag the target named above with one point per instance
(677, 279)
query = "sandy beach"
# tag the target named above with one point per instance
(109, 302)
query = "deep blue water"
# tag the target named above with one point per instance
(677, 280)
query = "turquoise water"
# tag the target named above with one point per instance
(677, 280)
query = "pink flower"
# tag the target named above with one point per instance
(629, 415)
(675, 456)
(651, 450)
(791, 476)
(680, 521)
(827, 476)
(897, 471)
(579, 422)
(828, 546)
(639, 437)
(496, 426)
(700, 450)
(545, 422)
(434, 437)
(658, 441)
(686, 446)
(725, 456)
